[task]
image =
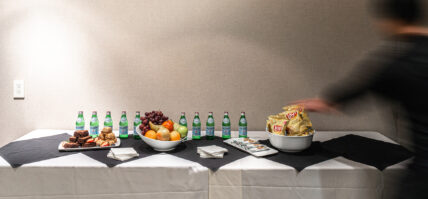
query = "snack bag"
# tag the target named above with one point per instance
(300, 124)
(293, 126)
(279, 126)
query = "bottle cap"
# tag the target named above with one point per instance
(94, 112)
(123, 112)
(196, 113)
(138, 112)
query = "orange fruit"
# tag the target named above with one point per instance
(151, 134)
(169, 125)
(175, 136)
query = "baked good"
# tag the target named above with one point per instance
(110, 136)
(82, 140)
(85, 133)
(89, 144)
(72, 139)
(70, 145)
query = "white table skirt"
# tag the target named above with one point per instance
(167, 176)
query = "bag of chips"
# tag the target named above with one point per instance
(292, 122)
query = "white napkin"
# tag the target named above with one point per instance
(122, 154)
(212, 151)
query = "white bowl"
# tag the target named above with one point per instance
(158, 145)
(290, 143)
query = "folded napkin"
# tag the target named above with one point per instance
(122, 154)
(212, 151)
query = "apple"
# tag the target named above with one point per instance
(183, 131)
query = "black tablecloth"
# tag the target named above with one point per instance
(360, 149)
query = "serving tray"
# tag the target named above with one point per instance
(270, 151)
(61, 148)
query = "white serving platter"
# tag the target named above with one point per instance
(61, 148)
(270, 151)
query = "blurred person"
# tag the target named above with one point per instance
(397, 72)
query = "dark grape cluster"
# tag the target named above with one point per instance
(156, 117)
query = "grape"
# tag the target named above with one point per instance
(146, 113)
(157, 118)
(161, 114)
(146, 121)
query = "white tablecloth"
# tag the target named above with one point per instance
(167, 176)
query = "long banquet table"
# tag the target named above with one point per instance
(168, 176)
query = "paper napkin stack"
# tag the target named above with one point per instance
(212, 151)
(122, 154)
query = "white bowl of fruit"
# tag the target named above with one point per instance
(159, 132)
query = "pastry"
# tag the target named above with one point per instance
(70, 145)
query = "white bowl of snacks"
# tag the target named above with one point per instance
(163, 136)
(291, 130)
(290, 143)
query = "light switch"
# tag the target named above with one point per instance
(18, 89)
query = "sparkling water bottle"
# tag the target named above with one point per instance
(137, 123)
(108, 122)
(210, 126)
(123, 126)
(196, 127)
(95, 125)
(226, 126)
(182, 121)
(80, 122)
(242, 126)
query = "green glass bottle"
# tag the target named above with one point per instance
(196, 127)
(123, 126)
(80, 122)
(242, 126)
(226, 126)
(182, 121)
(137, 123)
(95, 125)
(108, 122)
(210, 127)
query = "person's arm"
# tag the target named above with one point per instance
(367, 76)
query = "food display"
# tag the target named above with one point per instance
(81, 140)
(155, 125)
(293, 121)
(106, 138)
(251, 146)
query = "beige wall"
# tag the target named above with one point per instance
(192, 55)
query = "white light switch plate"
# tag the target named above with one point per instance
(18, 89)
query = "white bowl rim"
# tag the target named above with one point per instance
(293, 136)
(161, 140)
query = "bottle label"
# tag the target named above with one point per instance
(243, 120)
(226, 131)
(196, 131)
(243, 131)
(183, 122)
(123, 130)
(109, 125)
(94, 130)
(210, 131)
(80, 128)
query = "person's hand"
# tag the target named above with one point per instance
(317, 105)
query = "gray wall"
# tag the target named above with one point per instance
(193, 55)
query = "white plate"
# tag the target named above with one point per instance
(257, 154)
(61, 148)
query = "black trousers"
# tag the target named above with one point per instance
(414, 185)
